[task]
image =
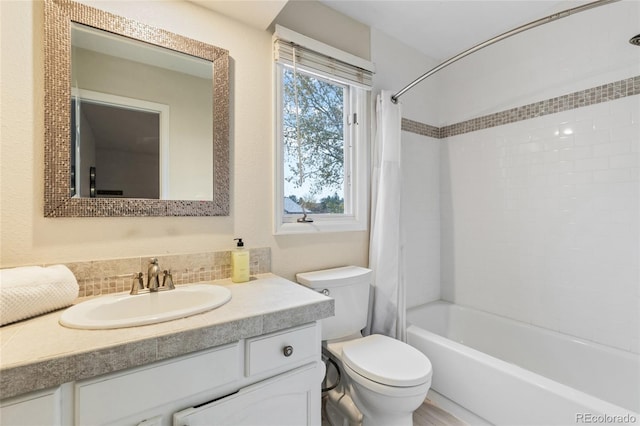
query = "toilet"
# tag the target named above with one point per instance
(382, 381)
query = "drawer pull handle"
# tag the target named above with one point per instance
(287, 350)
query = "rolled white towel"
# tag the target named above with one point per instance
(34, 290)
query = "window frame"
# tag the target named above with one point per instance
(356, 191)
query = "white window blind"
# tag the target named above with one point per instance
(312, 60)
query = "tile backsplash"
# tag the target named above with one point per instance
(98, 277)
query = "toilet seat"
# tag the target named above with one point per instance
(388, 391)
(387, 361)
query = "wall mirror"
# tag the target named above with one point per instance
(136, 118)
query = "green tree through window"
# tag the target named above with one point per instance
(314, 142)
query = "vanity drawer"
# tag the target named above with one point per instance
(282, 349)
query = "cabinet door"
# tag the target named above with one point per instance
(154, 386)
(37, 409)
(292, 398)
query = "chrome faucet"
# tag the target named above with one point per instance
(153, 280)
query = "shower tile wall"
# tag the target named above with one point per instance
(540, 221)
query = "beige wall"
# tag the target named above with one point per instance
(28, 238)
(324, 24)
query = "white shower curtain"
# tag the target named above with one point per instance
(385, 257)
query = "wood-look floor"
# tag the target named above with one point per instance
(428, 414)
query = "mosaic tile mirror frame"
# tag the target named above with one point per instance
(58, 202)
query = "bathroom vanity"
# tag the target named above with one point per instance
(255, 360)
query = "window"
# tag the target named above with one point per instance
(321, 143)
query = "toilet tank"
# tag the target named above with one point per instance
(349, 287)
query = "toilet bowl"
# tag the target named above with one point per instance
(388, 379)
(382, 380)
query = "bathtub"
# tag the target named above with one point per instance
(512, 373)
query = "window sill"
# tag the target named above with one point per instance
(320, 226)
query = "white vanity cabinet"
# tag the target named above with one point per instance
(285, 400)
(132, 396)
(273, 379)
(289, 398)
(34, 409)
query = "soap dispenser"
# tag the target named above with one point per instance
(239, 263)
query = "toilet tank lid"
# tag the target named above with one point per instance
(335, 277)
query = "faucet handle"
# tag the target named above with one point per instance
(167, 280)
(137, 279)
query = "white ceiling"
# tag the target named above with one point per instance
(444, 28)
(438, 28)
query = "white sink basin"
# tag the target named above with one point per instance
(124, 310)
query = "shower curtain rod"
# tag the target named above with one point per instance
(500, 37)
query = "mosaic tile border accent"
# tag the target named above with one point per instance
(421, 128)
(59, 14)
(595, 95)
(116, 275)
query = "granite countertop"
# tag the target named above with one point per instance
(39, 353)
